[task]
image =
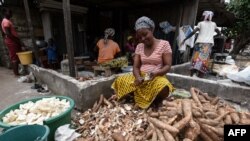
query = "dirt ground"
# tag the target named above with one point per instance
(12, 91)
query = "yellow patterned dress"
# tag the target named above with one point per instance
(145, 93)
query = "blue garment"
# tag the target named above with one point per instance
(51, 52)
(166, 27)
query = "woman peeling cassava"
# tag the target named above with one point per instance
(153, 58)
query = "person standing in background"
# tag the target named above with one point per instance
(203, 45)
(11, 39)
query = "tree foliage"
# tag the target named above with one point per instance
(241, 28)
(241, 10)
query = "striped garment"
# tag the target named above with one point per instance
(145, 93)
(153, 62)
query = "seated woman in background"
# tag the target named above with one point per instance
(108, 50)
(153, 59)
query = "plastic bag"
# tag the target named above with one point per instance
(229, 69)
(242, 76)
(230, 60)
(181, 93)
(64, 133)
(28, 78)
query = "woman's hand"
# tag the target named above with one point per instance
(152, 75)
(138, 81)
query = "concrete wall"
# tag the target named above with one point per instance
(181, 69)
(231, 92)
(87, 92)
(84, 93)
(179, 76)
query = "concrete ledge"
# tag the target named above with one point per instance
(234, 93)
(84, 93)
(181, 69)
(87, 92)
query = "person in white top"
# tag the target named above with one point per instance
(203, 44)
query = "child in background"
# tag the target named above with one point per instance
(51, 52)
(130, 45)
(130, 48)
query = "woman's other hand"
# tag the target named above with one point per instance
(152, 75)
(138, 81)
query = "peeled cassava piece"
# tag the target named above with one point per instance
(35, 113)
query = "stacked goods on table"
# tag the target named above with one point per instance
(198, 118)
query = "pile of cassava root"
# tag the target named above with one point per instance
(200, 118)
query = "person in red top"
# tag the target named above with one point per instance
(11, 39)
